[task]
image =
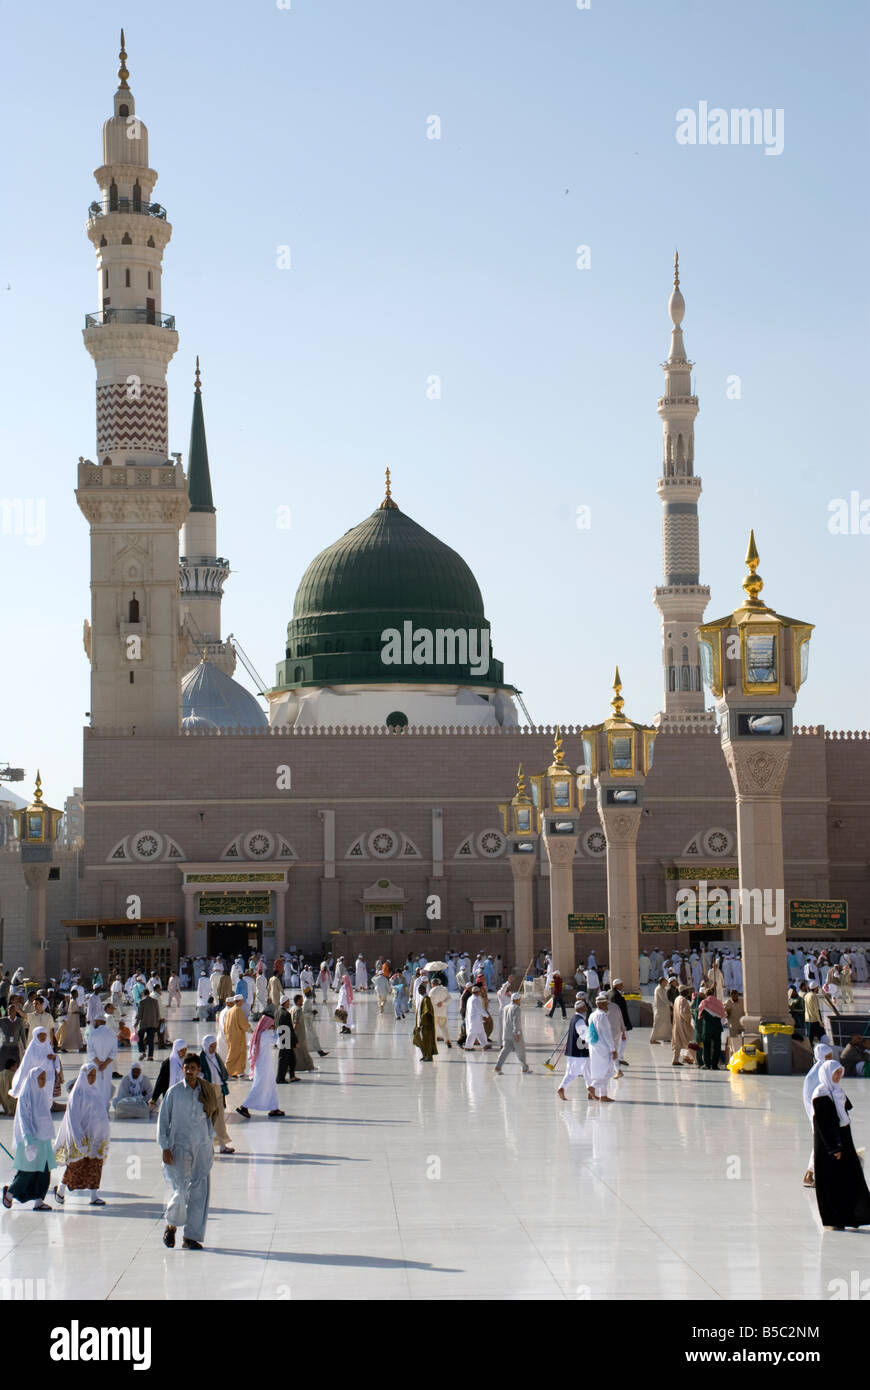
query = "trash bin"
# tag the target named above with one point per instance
(776, 1039)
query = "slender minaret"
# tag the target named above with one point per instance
(681, 599)
(203, 572)
(134, 496)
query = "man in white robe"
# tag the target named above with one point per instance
(361, 974)
(440, 996)
(593, 983)
(450, 972)
(643, 969)
(602, 1049)
(474, 1015)
(203, 994)
(95, 1008)
(306, 978)
(577, 1050)
(811, 972)
(102, 1049)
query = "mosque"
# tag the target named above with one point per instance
(367, 808)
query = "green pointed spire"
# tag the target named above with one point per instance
(198, 477)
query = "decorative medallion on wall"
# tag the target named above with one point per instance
(147, 846)
(491, 843)
(718, 841)
(258, 844)
(383, 843)
(595, 842)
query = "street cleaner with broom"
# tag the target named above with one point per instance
(577, 1050)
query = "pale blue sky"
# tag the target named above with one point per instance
(307, 127)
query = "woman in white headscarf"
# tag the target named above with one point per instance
(83, 1138)
(39, 1053)
(841, 1191)
(131, 1102)
(33, 1135)
(822, 1053)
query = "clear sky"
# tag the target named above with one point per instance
(412, 257)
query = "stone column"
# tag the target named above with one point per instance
(190, 921)
(560, 853)
(758, 775)
(621, 824)
(36, 877)
(523, 870)
(281, 919)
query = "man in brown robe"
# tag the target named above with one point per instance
(424, 1033)
(236, 1029)
(682, 1032)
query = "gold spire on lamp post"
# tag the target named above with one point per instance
(197, 383)
(388, 505)
(37, 794)
(617, 703)
(753, 583)
(123, 74)
(558, 753)
(521, 785)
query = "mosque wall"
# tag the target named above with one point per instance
(200, 792)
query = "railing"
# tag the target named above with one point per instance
(139, 315)
(678, 400)
(128, 205)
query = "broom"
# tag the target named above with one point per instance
(555, 1054)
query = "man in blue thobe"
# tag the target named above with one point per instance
(185, 1134)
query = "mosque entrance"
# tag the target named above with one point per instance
(231, 939)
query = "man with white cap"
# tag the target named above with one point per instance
(620, 1023)
(602, 1050)
(512, 1035)
(577, 1049)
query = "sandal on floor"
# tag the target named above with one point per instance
(57, 1196)
(42, 1206)
(7, 1200)
(97, 1202)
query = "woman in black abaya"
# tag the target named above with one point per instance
(841, 1191)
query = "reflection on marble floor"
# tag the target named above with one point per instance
(393, 1180)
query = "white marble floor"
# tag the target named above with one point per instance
(394, 1179)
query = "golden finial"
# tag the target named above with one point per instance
(388, 505)
(676, 270)
(197, 385)
(521, 782)
(753, 583)
(558, 755)
(123, 74)
(37, 795)
(617, 702)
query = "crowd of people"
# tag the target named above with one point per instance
(266, 1034)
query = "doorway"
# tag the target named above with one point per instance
(231, 939)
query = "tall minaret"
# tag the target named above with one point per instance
(681, 599)
(134, 496)
(203, 572)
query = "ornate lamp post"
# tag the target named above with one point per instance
(618, 754)
(36, 827)
(561, 822)
(521, 825)
(755, 660)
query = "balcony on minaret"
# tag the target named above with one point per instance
(114, 203)
(141, 313)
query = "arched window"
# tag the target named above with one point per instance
(105, 279)
(137, 197)
(133, 615)
(298, 674)
(672, 678)
(113, 196)
(103, 241)
(150, 242)
(123, 110)
(126, 239)
(397, 720)
(685, 653)
(684, 678)
(670, 656)
(150, 285)
(126, 279)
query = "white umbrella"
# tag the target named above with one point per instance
(435, 965)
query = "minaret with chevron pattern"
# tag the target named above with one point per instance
(681, 599)
(133, 495)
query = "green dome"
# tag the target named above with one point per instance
(383, 574)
